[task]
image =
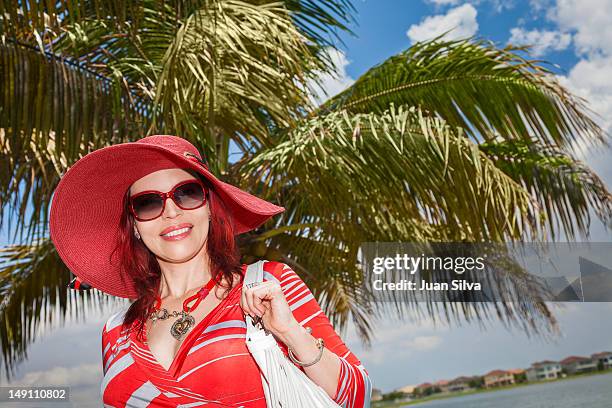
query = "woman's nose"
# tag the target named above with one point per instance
(171, 210)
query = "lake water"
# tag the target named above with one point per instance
(586, 392)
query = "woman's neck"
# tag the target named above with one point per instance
(179, 279)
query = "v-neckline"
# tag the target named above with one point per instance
(172, 371)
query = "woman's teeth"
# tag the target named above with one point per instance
(176, 232)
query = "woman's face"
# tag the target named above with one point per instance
(153, 233)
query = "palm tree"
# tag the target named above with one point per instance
(373, 163)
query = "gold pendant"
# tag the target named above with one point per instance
(182, 325)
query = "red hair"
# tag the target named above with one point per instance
(141, 265)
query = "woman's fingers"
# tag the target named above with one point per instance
(254, 298)
(245, 304)
(248, 301)
(257, 296)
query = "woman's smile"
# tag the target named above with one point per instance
(177, 234)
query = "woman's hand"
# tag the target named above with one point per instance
(267, 301)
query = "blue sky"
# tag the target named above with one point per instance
(575, 35)
(383, 32)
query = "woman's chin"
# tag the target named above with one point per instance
(177, 254)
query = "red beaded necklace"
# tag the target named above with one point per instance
(182, 325)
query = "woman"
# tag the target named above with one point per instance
(148, 221)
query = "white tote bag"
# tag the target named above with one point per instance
(284, 384)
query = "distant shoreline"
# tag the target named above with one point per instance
(382, 404)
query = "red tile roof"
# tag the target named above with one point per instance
(495, 373)
(543, 363)
(461, 379)
(572, 359)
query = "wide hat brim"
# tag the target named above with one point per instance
(88, 202)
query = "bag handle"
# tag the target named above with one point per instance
(254, 274)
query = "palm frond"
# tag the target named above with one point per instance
(385, 177)
(231, 65)
(474, 85)
(564, 188)
(391, 171)
(320, 21)
(33, 289)
(100, 73)
(53, 110)
(224, 70)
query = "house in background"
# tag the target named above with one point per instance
(423, 389)
(409, 392)
(544, 370)
(407, 389)
(460, 384)
(604, 358)
(519, 374)
(578, 364)
(497, 378)
(538, 371)
(442, 385)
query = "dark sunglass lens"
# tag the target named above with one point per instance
(147, 206)
(190, 195)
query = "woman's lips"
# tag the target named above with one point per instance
(177, 237)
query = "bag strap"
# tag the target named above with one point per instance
(254, 274)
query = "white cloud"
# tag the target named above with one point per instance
(461, 19)
(403, 337)
(590, 19)
(539, 5)
(82, 375)
(332, 84)
(497, 5)
(83, 382)
(401, 345)
(501, 5)
(423, 343)
(398, 329)
(587, 24)
(444, 2)
(542, 41)
(589, 79)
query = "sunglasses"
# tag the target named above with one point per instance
(149, 205)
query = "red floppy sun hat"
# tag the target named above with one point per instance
(88, 202)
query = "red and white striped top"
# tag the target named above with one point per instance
(213, 367)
